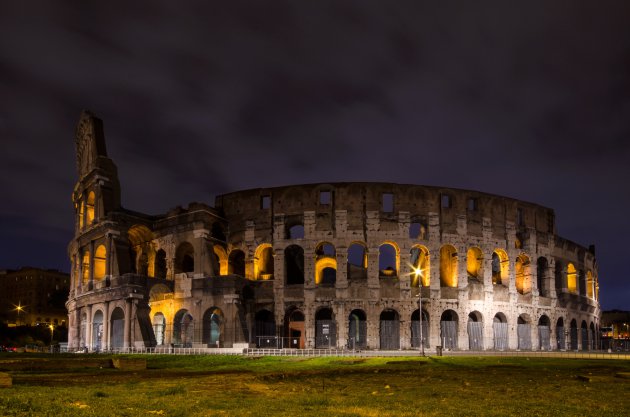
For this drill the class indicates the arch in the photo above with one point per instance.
(560, 334)
(295, 231)
(523, 274)
(97, 331)
(82, 214)
(117, 328)
(184, 258)
(571, 278)
(295, 328)
(500, 331)
(236, 262)
(213, 327)
(475, 330)
(542, 281)
(500, 267)
(183, 329)
(524, 332)
(325, 264)
(89, 208)
(388, 259)
(448, 266)
(592, 339)
(265, 329)
(294, 265)
(100, 260)
(421, 266)
(574, 335)
(415, 328)
(584, 334)
(220, 260)
(357, 330)
(357, 261)
(417, 229)
(544, 333)
(85, 267)
(159, 292)
(389, 329)
(448, 329)
(474, 264)
(325, 329)
(160, 264)
(159, 328)
(263, 262)
(589, 284)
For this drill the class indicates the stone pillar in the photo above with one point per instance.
(91, 276)
(201, 256)
(106, 325)
(372, 270)
(341, 321)
(127, 328)
(342, 267)
(88, 327)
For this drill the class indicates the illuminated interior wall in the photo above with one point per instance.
(448, 266)
(263, 262)
(589, 284)
(571, 278)
(474, 262)
(82, 214)
(86, 267)
(523, 275)
(222, 258)
(89, 215)
(100, 259)
(420, 262)
(321, 264)
(500, 267)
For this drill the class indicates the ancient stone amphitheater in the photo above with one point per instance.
(342, 265)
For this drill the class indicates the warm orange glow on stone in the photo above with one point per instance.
(571, 278)
(448, 266)
(100, 257)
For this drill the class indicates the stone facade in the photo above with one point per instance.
(323, 265)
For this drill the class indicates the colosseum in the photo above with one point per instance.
(341, 266)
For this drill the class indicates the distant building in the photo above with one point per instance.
(31, 295)
(615, 329)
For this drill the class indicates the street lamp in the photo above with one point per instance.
(19, 308)
(417, 272)
(52, 329)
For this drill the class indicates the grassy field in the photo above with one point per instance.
(272, 386)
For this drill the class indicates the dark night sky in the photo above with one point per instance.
(528, 100)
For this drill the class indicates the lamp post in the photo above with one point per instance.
(52, 329)
(418, 274)
(19, 308)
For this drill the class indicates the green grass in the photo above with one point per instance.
(281, 386)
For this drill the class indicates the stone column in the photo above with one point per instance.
(106, 325)
(342, 267)
(127, 328)
(88, 327)
(91, 279)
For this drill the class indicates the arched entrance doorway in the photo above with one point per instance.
(524, 332)
(184, 329)
(97, 331)
(500, 331)
(560, 337)
(325, 329)
(390, 330)
(544, 333)
(475, 331)
(265, 329)
(295, 329)
(357, 330)
(159, 327)
(213, 327)
(448, 329)
(117, 329)
(415, 329)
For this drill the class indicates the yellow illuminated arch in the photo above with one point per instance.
(263, 262)
(500, 267)
(100, 256)
(571, 278)
(89, 215)
(223, 259)
(396, 255)
(82, 214)
(589, 284)
(523, 274)
(448, 266)
(421, 267)
(474, 262)
(321, 264)
(86, 267)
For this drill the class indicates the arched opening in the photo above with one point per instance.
(592, 340)
(559, 276)
(236, 263)
(81, 214)
(89, 208)
(263, 262)
(325, 264)
(500, 267)
(584, 332)
(589, 284)
(475, 331)
(220, 260)
(184, 258)
(388, 260)
(574, 335)
(448, 266)
(295, 329)
(448, 329)
(295, 231)
(183, 329)
(523, 274)
(85, 267)
(97, 331)
(474, 264)
(265, 329)
(357, 261)
(294, 265)
(420, 262)
(159, 328)
(500, 331)
(560, 335)
(325, 329)
(357, 330)
(389, 330)
(524, 332)
(117, 328)
(100, 260)
(417, 229)
(571, 278)
(213, 327)
(542, 281)
(160, 264)
(544, 333)
(415, 329)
